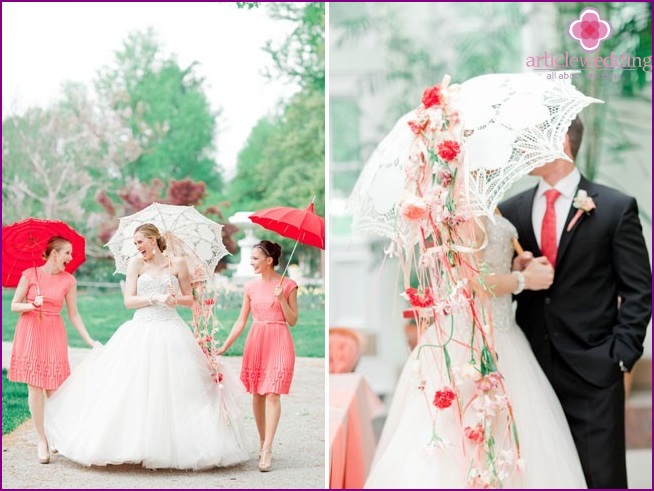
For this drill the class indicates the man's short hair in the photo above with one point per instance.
(575, 134)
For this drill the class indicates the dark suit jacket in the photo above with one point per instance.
(602, 258)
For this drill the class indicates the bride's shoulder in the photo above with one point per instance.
(135, 264)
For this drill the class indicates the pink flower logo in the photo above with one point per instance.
(589, 29)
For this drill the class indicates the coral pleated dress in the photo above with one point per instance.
(39, 355)
(268, 355)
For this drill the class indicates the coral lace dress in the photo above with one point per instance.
(269, 355)
(39, 355)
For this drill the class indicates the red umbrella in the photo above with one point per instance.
(293, 223)
(24, 242)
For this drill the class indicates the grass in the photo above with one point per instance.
(103, 312)
(14, 404)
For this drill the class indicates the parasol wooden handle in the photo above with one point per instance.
(38, 292)
(514, 242)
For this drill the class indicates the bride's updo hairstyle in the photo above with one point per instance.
(150, 231)
(270, 249)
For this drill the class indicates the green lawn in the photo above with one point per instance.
(104, 312)
(14, 404)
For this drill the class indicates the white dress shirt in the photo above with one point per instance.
(567, 187)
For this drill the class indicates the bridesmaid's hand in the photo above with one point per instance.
(278, 292)
(221, 350)
(38, 301)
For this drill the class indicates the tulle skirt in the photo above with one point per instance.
(147, 397)
(405, 458)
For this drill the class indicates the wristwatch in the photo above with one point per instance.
(622, 366)
(521, 282)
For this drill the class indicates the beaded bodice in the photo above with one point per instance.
(146, 285)
(498, 256)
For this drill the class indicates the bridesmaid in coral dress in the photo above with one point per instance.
(268, 356)
(39, 355)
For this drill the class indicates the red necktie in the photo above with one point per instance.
(548, 229)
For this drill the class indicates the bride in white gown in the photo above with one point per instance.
(148, 396)
(420, 450)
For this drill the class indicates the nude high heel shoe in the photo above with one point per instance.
(265, 461)
(43, 458)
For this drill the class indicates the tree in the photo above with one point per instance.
(282, 163)
(248, 187)
(301, 57)
(53, 158)
(172, 101)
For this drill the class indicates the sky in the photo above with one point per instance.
(46, 44)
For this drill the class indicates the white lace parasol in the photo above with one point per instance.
(380, 187)
(512, 123)
(188, 234)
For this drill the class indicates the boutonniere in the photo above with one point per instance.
(584, 204)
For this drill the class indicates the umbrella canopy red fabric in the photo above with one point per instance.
(23, 244)
(293, 223)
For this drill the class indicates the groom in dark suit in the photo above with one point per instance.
(589, 326)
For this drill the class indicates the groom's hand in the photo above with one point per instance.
(539, 274)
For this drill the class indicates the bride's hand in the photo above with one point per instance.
(522, 261)
(166, 299)
(221, 350)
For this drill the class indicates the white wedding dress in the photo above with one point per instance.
(147, 397)
(404, 458)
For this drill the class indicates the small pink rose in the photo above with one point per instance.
(413, 208)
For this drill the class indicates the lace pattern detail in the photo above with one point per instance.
(503, 141)
(146, 286)
(375, 198)
(498, 256)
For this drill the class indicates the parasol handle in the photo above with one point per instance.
(281, 280)
(38, 289)
(289, 261)
(514, 242)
